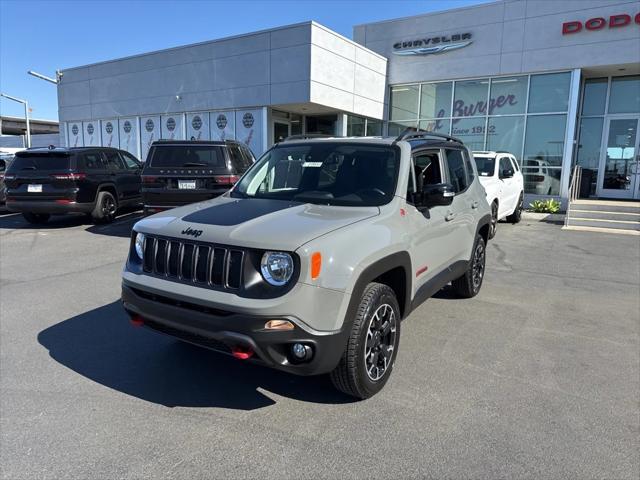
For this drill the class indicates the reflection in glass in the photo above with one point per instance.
(470, 131)
(374, 127)
(595, 96)
(435, 100)
(505, 133)
(404, 102)
(621, 154)
(470, 98)
(355, 126)
(436, 125)
(508, 95)
(544, 140)
(549, 92)
(625, 95)
(539, 179)
(396, 128)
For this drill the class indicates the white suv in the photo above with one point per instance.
(501, 177)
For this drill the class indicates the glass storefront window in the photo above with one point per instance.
(590, 141)
(404, 102)
(594, 96)
(549, 92)
(508, 95)
(540, 179)
(396, 128)
(436, 125)
(544, 140)
(505, 133)
(625, 95)
(470, 98)
(355, 126)
(470, 131)
(374, 127)
(435, 100)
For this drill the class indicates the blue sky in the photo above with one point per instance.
(46, 35)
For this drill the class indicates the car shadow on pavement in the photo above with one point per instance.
(103, 346)
(121, 227)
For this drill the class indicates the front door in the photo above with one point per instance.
(280, 131)
(619, 174)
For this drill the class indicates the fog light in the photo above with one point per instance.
(300, 351)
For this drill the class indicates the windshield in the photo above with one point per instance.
(486, 166)
(40, 161)
(324, 173)
(209, 156)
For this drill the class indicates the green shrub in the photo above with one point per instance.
(550, 205)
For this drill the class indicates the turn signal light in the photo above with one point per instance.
(316, 265)
(278, 325)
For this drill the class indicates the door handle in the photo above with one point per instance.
(450, 216)
(474, 205)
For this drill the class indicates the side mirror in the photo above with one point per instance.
(435, 195)
(506, 173)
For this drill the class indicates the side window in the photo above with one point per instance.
(236, 157)
(516, 167)
(248, 156)
(93, 161)
(456, 170)
(469, 167)
(505, 164)
(113, 160)
(427, 170)
(130, 161)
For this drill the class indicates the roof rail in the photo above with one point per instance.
(411, 133)
(306, 136)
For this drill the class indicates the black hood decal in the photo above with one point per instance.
(238, 211)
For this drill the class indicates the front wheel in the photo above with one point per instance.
(516, 216)
(468, 285)
(372, 347)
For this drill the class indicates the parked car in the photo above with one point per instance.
(179, 172)
(5, 161)
(502, 179)
(310, 262)
(96, 181)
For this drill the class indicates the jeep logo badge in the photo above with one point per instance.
(190, 231)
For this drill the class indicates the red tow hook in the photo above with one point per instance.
(137, 321)
(242, 353)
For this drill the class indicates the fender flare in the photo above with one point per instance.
(103, 186)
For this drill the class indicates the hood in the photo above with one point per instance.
(253, 223)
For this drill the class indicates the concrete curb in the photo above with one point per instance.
(555, 218)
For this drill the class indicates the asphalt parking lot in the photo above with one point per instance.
(537, 377)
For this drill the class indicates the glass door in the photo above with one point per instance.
(619, 175)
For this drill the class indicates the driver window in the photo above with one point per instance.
(505, 164)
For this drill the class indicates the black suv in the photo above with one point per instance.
(180, 172)
(91, 180)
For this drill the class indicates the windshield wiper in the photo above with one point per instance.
(194, 164)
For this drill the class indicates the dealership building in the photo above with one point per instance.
(555, 83)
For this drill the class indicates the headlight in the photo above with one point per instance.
(277, 268)
(140, 245)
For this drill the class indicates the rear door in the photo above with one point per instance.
(132, 171)
(118, 174)
(460, 214)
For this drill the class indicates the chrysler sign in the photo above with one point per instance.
(432, 45)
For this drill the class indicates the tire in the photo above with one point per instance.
(469, 284)
(36, 218)
(377, 313)
(105, 209)
(516, 216)
(493, 226)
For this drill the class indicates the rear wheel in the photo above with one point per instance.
(493, 227)
(372, 347)
(516, 216)
(36, 218)
(105, 209)
(468, 285)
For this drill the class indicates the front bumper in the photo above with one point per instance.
(48, 206)
(224, 330)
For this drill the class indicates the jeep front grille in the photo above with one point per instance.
(202, 265)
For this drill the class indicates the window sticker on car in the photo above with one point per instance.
(312, 164)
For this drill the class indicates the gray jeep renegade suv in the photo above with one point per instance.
(311, 261)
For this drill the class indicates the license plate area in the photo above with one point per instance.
(186, 184)
(34, 188)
